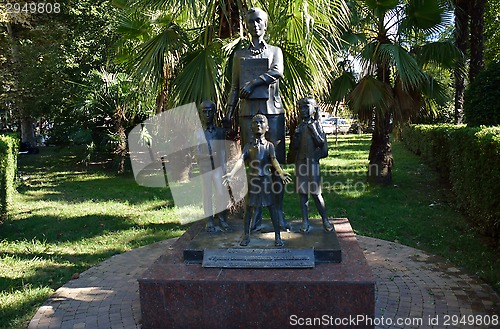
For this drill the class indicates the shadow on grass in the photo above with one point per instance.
(53, 229)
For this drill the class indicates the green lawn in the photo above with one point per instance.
(69, 217)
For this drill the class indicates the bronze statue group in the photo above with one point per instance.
(255, 91)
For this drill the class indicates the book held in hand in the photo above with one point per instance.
(252, 68)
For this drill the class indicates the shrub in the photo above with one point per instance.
(469, 159)
(481, 101)
(8, 165)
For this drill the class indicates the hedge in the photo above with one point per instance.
(9, 148)
(469, 159)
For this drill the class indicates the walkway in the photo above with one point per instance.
(412, 287)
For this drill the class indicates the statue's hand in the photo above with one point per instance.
(227, 179)
(286, 178)
(247, 90)
(311, 126)
(226, 121)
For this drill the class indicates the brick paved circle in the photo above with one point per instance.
(411, 285)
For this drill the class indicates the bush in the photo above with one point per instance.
(481, 101)
(469, 159)
(8, 165)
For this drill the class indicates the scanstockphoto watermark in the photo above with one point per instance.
(485, 320)
(353, 320)
(318, 181)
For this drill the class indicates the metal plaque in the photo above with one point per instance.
(258, 258)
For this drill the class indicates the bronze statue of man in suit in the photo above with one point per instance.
(211, 158)
(255, 86)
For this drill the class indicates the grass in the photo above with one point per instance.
(68, 218)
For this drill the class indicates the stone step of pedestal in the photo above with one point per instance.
(325, 244)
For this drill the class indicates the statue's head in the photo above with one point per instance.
(256, 20)
(208, 109)
(308, 107)
(260, 124)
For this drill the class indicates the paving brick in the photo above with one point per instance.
(410, 284)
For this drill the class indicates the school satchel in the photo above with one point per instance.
(324, 148)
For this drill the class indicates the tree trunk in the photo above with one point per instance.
(476, 38)
(121, 146)
(229, 20)
(461, 36)
(26, 120)
(162, 98)
(381, 160)
(27, 129)
(380, 157)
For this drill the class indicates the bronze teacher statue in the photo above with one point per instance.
(255, 86)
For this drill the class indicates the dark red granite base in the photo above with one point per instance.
(178, 295)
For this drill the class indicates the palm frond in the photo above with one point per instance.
(133, 25)
(370, 95)
(442, 53)
(429, 16)
(172, 4)
(150, 57)
(381, 4)
(200, 78)
(434, 90)
(406, 66)
(342, 86)
(406, 102)
(298, 80)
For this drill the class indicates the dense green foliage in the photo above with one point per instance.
(482, 106)
(469, 159)
(492, 31)
(8, 167)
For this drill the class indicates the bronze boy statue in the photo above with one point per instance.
(255, 87)
(260, 156)
(309, 140)
(211, 158)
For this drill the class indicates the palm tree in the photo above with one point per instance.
(394, 39)
(184, 47)
(116, 97)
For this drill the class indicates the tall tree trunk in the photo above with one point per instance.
(476, 38)
(121, 146)
(229, 20)
(380, 157)
(26, 120)
(162, 98)
(27, 129)
(461, 36)
(381, 160)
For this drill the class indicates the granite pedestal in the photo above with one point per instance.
(175, 294)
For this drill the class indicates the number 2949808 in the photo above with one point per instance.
(33, 7)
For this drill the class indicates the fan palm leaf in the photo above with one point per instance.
(342, 86)
(370, 94)
(442, 53)
(201, 76)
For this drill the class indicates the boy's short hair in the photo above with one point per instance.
(307, 100)
(208, 104)
(260, 116)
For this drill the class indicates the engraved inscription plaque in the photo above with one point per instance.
(259, 258)
(252, 68)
